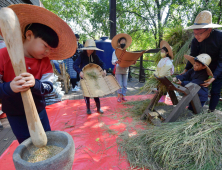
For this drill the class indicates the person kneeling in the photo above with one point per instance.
(198, 75)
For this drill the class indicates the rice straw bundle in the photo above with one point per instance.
(194, 144)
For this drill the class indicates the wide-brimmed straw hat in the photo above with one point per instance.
(169, 48)
(205, 59)
(90, 45)
(204, 20)
(118, 36)
(28, 14)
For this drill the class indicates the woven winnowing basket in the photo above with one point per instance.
(99, 86)
(127, 59)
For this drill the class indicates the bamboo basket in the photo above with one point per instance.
(94, 84)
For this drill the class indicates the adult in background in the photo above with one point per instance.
(89, 56)
(122, 41)
(74, 76)
(209, 41)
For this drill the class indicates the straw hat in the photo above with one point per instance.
(90, 45)
(203, 20)
(118, 36)
(28, 14)
(169, 48)
(205, 59)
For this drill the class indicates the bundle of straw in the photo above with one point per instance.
(192, 144)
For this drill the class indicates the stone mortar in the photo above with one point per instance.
(61, 161)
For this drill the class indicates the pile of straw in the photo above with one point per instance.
(191, 144)
(139, 106)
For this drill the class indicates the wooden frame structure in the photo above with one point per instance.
(190, 95)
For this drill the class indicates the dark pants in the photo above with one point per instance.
(191, 108)
(215, 93)
(74, 81)
(20, 127)
(87, 100)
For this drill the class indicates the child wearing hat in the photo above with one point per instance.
(89, 56)
(165, 65)
(198, 75)
(42, 40)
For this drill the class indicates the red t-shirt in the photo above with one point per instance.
(33, 66)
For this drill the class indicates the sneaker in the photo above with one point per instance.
(119, 99)
(75, 89)
(100, 111)
(124, 99)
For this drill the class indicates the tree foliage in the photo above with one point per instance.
(147, 21)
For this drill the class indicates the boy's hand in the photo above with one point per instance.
(16, 84)
(179, 82)
(104, 73)
(174, 79)
(208, 82)
(29, 80)
(81, 74)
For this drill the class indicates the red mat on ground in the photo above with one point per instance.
(94, 135)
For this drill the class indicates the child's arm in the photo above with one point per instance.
(185, 76)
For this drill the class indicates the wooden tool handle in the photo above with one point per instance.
(11, 32)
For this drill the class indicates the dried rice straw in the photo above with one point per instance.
(194, 144)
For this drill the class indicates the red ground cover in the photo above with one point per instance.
(94, 135)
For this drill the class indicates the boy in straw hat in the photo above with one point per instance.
(198, 75)
(45, 37)
(208, 41)
(89, 56)
(122, 41)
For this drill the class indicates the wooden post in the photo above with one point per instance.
(64, 78)
(141, 73)
(112, 18)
